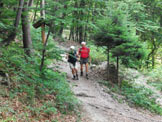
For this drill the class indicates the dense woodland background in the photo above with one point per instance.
(126, 33)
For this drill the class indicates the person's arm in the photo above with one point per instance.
(89, 56)
(78, 53)
(89, 59)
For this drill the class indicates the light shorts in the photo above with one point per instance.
(72, 66)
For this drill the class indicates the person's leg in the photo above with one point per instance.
(76, 73)
(73, 72)
(81, 69)
(86, 67)
(72, 69)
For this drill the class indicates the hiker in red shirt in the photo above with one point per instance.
(84, 58)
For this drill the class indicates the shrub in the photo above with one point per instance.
(27, 79)
(155, 78)
(97, 54)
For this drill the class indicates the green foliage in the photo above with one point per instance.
(155, 78)
(117, 33)
(137, 95)
(47, 108)
(131, 53)
(27, 79)
(97, 54)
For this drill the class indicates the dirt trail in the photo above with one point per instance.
(99, 106)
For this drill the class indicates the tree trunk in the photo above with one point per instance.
(153, 61)
(153, 52)
(27, 42)
(35, 12)
(108, 63)
(1, 6)
(30, 3)
(62, 24)
(44, 50)
(71, 36)
(43, 8)
(81, 27)
(12, 34)
(77, 33)
(117, 74)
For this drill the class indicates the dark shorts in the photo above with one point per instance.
(83, 60)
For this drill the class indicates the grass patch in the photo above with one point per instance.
(136, 95)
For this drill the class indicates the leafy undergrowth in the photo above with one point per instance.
(155, 78)
(13, 110)
(97, 54)
(136, 95)
(32, 94)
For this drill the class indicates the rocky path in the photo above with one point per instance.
(99, 106)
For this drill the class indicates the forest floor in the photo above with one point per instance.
(98, 106)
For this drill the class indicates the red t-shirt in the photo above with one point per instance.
(84, 52)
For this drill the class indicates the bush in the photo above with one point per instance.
(156, 78)
(26, 78)
(97, 54)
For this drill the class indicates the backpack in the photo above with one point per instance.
(72, 58)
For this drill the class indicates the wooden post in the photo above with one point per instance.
(43, 25)
(43, 33)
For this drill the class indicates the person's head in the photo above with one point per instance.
(72, 47)
(83, 44)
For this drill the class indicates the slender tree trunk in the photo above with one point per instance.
(77, 33)
(12, 34)
(30, 3)
(62, 24)
(117, 74)
(86, 29)
(75, 21)
(27, 42)
(35, 12)
(18, 16)
(42, 7)
(44, 50)
(71, 36)
(108, 63)
(154, 50)
(81, 15)
(152, 53)
(1, 6)
(153, 61)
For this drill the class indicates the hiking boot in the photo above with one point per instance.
(73, 77)
(81, 73)
(87, 76)
(77, 77)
